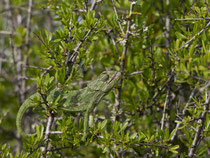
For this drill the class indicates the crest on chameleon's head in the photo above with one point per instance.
(105, 81)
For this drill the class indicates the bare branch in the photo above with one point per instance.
(116, 14)
(8, 9)
(136, 73)
(86, 6)
(47, 132)
(164, 85)
(36, 67)
(93, 5)
(61, 148)
(193, 19)
(28, 21)
(6, 33)
(167, 29)
(122, 62)
(79, 10)
(26, 78)
(164, 109)
(110, 34)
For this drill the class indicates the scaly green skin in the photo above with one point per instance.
(26, 105)
(85, 99)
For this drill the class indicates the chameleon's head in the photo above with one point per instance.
(105, 81)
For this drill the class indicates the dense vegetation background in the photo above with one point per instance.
(160, 108)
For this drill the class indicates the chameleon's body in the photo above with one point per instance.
(85, 99)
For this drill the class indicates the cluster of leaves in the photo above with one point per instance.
(160, 108)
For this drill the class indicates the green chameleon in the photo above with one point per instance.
(82, 100)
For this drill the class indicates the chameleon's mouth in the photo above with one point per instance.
(115, 76)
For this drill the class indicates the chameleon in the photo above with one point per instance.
(82, 100)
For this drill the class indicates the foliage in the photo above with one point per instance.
(160, 108)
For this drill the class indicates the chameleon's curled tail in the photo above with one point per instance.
(25, 106)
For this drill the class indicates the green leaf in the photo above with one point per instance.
(177, 44)
(103, 124)
(133, 136)
(124, 126)
(180, 36)
(60, 75)
(105, 149)
(49, 36)
(11, 156)
(174, 148)
(166, 133)
(204, 47)
(191, 50)
(171, 134)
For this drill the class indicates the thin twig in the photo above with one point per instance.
(40, 39)
(193, 19)
(93, 5)
(70, 28)
(85, 37)
(4, 60)
(41, 144)
(49, 51)
(197, 78)
(45, 72)
(22, 7)
(152, 145)
(183, 113)
(167, 29)
(117, 18)
(26, 78)
(47, 132)
(126, 38)
(56, 132)
(61, 148)
(71, 60)
(136, 73)
(197, 136)
(164, 85)
(194, 36)
(7, 33)
(110, 34)
(206, 86)
(28, 21)
(79, 10)
(86, 6)
(5, 75)
(36, 67)
(164, 109)
(68, 52)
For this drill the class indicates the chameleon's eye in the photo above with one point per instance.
(106, 77)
